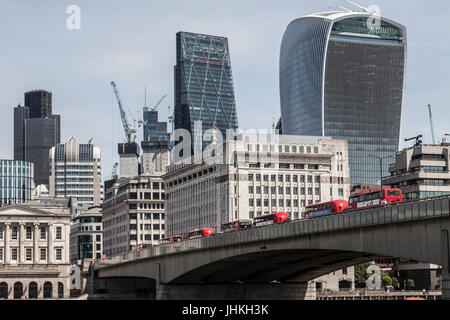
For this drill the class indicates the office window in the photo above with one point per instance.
(43, 254)
(29, 254)
(14, 233)
(43, 233)
(59, 233)
(58, 254)
(14, 254)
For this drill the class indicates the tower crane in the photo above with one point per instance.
(129, 131)
(159, 102)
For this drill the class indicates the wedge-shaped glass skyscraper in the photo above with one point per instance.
(204, 85)
(342, 75)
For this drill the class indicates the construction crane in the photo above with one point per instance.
(418, 141)
(431, 123)
(159, 102)
(129, 131)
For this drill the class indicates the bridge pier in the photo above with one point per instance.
(284, 291)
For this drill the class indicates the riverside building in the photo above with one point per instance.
(254, 175)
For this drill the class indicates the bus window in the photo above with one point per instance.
(393, 193)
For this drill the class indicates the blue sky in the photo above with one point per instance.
(133, 43)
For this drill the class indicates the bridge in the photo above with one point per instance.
(276, 262)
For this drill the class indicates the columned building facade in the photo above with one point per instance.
(34, 252)
(342, 75)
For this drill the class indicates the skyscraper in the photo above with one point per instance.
(342, 75)
(204, 85)
(154, 129)
(36, 130)
(75, 171)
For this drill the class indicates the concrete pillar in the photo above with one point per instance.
(445, 247)
(285, 291)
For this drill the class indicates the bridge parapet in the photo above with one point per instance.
(417, 210)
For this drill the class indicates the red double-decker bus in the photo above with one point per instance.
(271, 218)
(171, 239)
(199, 233)
(236, 225)
(375, 198)
(325, 208)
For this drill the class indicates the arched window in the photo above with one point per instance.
(48, 290)
(3, 290)
(18, 290)
(60, 290)
(33, 290)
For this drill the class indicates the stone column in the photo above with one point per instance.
(36, 247)
(50, 243)
(7, 237)
(21, 243)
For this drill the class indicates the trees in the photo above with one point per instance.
(395, 283)
(361, 275)
(386, 280)
(411, 284)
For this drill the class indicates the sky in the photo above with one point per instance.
(133, 43)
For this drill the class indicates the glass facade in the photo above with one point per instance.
(339, 78)
(153, 129)
(204, 85)
(16, 181)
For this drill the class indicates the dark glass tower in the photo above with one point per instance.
(204, 85)
(36, 130)
(344, 78)
(39, 102)
(153, 129)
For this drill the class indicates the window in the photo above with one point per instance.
(58, 233)
(29, 254)
(43, 254)
(14, 233)
(1, 233)
(14, 254)
(43, 233)
(58, 254)
(1, 254)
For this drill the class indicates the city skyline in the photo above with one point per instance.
(79, 77)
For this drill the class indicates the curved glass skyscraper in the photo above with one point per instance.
(342, 75)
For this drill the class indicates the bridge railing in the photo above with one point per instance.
(422, 209)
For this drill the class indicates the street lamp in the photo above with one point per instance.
(381, 167)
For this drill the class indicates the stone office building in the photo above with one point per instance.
(255, 175)
(133, 214)
(34, 251)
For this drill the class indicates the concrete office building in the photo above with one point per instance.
(342, 77)
(16, 181)
(86, 235)
(204, 91)
(267, 173)
(133, 214)
(75, 171)
(155, 157)
(421, 171)
(36, 130)
(34, 250)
